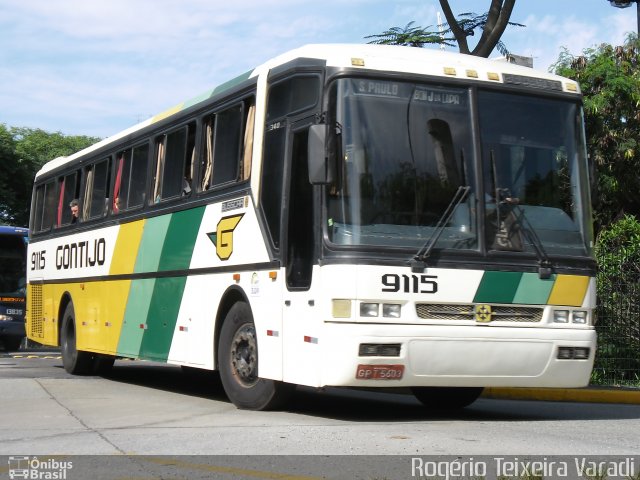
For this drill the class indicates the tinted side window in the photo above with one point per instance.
(272, 173)
(292, 95)
(38, 207)
(96, 200)
(175, 153)
(138, 184)
(228, 145)
(226, 151)
(45, 207)
(131, 177)
(49, 212)
(70, 190)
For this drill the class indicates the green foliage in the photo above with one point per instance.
(618, 292)
(23, 151)
(409, 36)
(610, 81)
(491, 26)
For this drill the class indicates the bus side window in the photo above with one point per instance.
(138, 179)
(96, 190)
(175, 154)
(228, 145)
(121, 186)
(45, 207)
(131, 178)
(69, 190)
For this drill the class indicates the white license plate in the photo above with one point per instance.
(379, 372)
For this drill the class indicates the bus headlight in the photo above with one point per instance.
(369, 309)
(579, 316)
(391, 310)
(561, 316)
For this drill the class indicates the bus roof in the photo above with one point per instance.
(366, 56)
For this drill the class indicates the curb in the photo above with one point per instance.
(621, 395)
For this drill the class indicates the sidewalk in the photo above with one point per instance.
(591, 394)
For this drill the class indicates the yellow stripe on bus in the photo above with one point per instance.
(99, 309)
(167, 113)
(569, 290)
(126, 249)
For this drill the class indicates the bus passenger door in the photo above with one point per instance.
(300, 320)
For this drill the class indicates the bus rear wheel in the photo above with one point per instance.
(238, 364)
(74, 361)
(447, 398)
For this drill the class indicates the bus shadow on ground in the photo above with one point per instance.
(357, 405)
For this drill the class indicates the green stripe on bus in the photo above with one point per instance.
(534, 290)
(162, 317)
(180, 239)
(177, 250)
(150, 249)
(231, 83)
(135, 316)
(498, 287)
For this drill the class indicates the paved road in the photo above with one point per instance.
(144, 408)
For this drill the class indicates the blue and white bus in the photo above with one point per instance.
(13, 254)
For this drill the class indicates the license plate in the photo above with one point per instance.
(379, 372)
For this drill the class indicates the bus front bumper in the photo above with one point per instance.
(461, 356)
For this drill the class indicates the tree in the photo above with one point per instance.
(618, 292)
(10, 179)
(609, 78)
(409, 36)
(23, 151)
(492, 25)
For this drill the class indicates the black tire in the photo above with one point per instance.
(447, 398)
(238, 364)
(74, 361)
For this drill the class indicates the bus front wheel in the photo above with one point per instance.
(238, 364)
(74, 361)
(447, 398)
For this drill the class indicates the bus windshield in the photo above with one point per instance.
(406, 150)
(12, 265)
(535, 165)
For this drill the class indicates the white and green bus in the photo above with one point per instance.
(342, 215)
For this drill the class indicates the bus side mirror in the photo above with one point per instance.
(320, 164)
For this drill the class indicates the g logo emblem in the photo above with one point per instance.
(223, 237)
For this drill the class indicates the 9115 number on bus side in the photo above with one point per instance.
(409, 283)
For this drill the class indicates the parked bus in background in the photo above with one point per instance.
(13, 271)
(343, 215)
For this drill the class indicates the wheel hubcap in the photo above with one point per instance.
(244, 355)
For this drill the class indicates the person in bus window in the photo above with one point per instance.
(75, 209)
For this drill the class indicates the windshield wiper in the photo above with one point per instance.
(544, 264)
(419, 261)
(503, 197)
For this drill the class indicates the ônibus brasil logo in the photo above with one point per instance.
(36, 469)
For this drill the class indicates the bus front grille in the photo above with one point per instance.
(503, 313)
